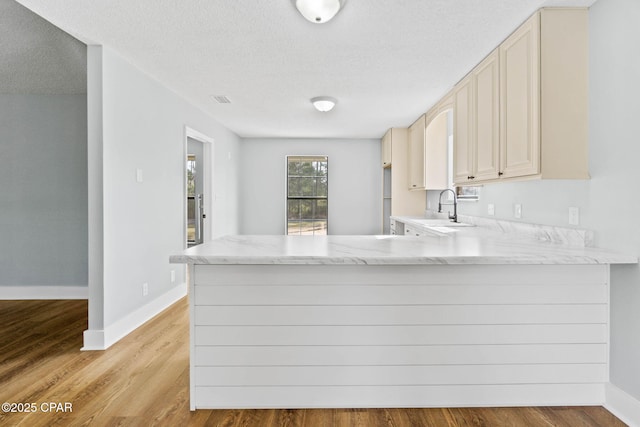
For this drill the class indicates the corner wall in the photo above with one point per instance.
(137, 124)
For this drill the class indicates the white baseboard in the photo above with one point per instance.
(622, 405)
(101, 339)
(43, 292)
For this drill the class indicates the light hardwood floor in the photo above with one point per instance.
(143, 380)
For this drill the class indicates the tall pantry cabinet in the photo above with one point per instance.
(395, 161)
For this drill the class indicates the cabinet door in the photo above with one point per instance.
(487, 113)
(416, 154)
(386, 149)
(436, 142)
(463, 131)
(519, 101)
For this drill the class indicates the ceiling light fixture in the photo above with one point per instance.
(324, 103)
(319, 11)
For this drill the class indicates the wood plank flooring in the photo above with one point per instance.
(143, 380)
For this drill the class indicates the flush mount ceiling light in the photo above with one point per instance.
(319, 11)
(324, 103)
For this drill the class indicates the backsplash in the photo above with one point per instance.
(547, 233)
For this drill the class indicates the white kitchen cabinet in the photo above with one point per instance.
(436, 150)
(417, 134)
(386, 150)
(476, 123)
(486, 154)
(520, 108)
(411, 231)
(463, 123)
(538, 128)
(544, 97)
(403, 201)
(428, 141)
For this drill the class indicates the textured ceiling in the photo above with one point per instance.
(386, 61)
(36, 57)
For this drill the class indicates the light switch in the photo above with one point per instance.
(138, 175)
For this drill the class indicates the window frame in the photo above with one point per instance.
(319, 157)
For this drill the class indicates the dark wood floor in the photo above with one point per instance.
(143, 380)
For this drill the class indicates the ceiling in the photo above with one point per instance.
(386, 61)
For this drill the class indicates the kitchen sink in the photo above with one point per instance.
(441, 229)
(440, 223)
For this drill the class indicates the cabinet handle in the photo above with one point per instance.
(500, 173)
(471, 177)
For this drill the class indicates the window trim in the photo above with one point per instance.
(286, 190)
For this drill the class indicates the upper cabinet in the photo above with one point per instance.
(403, 201)
(417, 134)
(527, 116)
(386, 150)
(428, 142)
(476, 124)
(520, 101)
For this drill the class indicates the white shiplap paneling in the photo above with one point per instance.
(309, 336)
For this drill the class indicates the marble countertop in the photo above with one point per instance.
(469, 245)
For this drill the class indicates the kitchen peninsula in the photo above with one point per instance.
(467, 318)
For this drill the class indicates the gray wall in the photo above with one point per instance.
(43, 190)
(608, 202)
(355, 183)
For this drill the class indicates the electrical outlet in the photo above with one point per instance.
(517, 210)
(491, 209)
(173, 276)
(145, 289)
(574, 216)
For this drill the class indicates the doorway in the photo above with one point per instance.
(195, 193)
(198, 186)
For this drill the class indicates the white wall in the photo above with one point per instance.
(43, 190)
(137, 123)
(355, 183)
(608, 202)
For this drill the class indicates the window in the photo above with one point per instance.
(467, 193)
(307, 195)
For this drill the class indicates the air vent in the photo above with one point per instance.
(221, 99)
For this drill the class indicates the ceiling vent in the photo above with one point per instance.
(221, 99)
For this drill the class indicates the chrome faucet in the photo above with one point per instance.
(453, 217)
